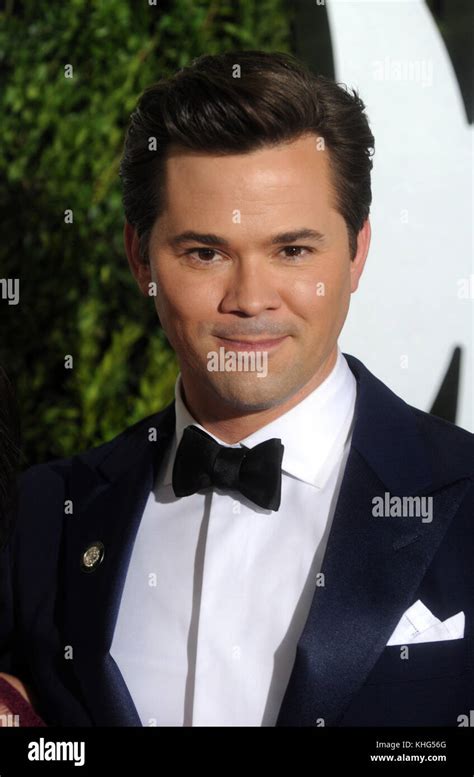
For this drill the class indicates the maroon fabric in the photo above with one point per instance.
(17, 705)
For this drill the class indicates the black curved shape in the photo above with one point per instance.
(455, 22)
(311, 40)
(311, 37)
(446, 402)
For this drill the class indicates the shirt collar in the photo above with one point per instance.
(313, 432)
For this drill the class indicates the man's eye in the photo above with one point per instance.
(296, 249)
(206, 255)
(201, 251)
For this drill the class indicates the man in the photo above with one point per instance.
(288, 543)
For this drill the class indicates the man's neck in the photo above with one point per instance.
(232, 428)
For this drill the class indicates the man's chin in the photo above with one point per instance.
(249, 394)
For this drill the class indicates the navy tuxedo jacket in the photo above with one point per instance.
(57, 622)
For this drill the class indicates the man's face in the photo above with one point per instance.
(244, 286)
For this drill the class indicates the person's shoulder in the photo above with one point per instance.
(54, 471)
(443, 432)
(43, 488)
(434, 426)
(450, 448)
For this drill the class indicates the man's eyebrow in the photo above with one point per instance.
(210, 239)
(298, 234)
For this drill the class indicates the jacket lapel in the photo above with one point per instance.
(108, 499)
(373, 566)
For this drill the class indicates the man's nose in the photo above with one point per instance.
(251, 287)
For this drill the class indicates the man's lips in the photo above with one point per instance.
(252, 345)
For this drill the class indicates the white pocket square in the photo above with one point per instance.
(418, 624)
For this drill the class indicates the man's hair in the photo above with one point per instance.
(276, 99)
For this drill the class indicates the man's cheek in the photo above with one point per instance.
(307, 295)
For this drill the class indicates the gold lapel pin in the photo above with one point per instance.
(92, 556)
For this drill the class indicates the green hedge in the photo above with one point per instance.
(60, 146)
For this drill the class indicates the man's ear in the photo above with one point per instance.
(358, 262)
(140, 268)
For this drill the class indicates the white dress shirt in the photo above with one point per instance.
(218, 589)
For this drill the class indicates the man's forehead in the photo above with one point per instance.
(281, 160)
(264, 189)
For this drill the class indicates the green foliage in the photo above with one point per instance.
(60, 146)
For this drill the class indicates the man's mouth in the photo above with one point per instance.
(247, 344)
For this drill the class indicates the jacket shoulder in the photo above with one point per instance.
(410, 436)
(447, 441)
(56, 470)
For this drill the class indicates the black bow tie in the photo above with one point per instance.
(256, 472)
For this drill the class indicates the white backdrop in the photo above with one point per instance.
(415, 301)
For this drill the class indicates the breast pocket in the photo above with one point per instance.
(421, 661)
(425, 684)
